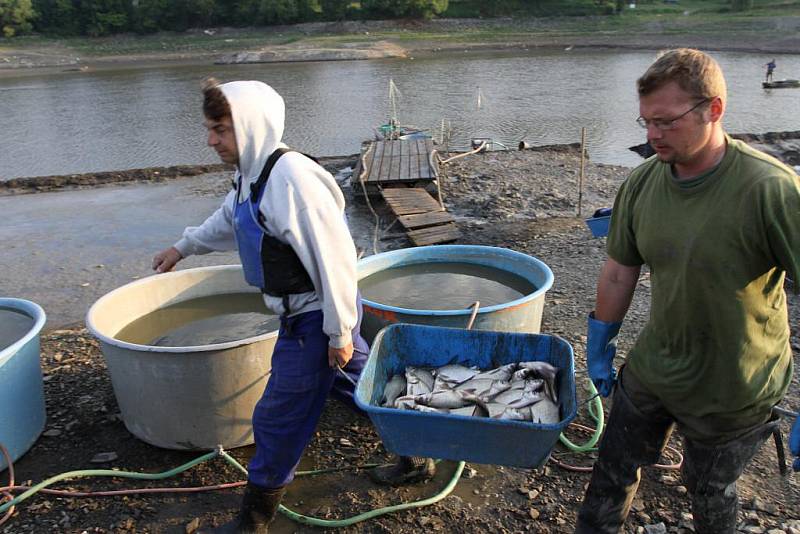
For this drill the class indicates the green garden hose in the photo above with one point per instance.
(596, 412)
(300, 518)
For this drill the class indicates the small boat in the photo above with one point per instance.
(781, 84)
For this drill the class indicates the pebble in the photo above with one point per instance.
(52, 433)
(658, 528)
(104, 457)
(193, 525)
(534, 513)
(469, 473)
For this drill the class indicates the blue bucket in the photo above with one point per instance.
(22, 409)
(521, 315)
(455, 437)
(599, 225)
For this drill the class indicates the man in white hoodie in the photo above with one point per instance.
(286, 218)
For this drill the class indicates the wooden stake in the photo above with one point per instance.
(580, 177)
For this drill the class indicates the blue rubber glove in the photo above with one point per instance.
(601, 346)
(794, 444)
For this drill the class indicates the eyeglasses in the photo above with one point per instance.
(668, 124)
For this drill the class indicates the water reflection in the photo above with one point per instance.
(81, 122)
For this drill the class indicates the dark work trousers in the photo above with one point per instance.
(285, 418)
(635, 436)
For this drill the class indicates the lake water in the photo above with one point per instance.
(13, 327)
(77, 122)
(443, 286)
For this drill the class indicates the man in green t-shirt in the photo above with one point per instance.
(718, 224)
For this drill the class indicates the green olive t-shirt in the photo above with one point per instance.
(718, 248)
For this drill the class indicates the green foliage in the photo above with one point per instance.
(57, 16)
(334, 9)
(741, 5)
(403, 8)
(16, 16)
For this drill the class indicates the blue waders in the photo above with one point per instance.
(285, 418)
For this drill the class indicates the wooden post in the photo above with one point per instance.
(580, 177)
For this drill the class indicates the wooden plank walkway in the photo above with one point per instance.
(397, 161)
(410, 201)
(426, 222)
(398, 169)
(435, 234)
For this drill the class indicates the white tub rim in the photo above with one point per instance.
(153, 348)
(32, 310)
(540, 291)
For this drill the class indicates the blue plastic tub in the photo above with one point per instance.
(599, 225)
(22, 408)
(521, 315)
(455, 437)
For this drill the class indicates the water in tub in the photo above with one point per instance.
(13, 327)
(202, 321)
(443, 286)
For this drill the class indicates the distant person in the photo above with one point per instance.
(285, 216)
(770, 69)
(718, 224)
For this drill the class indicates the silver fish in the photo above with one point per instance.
(439, 384)
(543, 369)
(509, 396)
(393, 389)
(512, 414)
(526, 399)
(485, 388)
(467, 411)
(455, 374)
(504, 373)
(406, 402)
(429, 409)
(540, 370)
(419, 381)
(443, 399)
(495, 409)
(545, 412)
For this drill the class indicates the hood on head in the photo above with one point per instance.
(258, 115)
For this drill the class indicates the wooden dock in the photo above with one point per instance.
(399, 170)
(397, 161)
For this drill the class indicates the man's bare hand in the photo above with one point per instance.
(165, 260)
(340, 357)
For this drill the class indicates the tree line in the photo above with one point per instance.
(107, 17)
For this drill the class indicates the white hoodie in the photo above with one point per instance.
(302, 206)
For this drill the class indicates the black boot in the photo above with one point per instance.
(259, 506)
(407, 470)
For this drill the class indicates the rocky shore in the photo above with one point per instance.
(524, 200)
(358, 40)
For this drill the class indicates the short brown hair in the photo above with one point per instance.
(695, 72)
(215, 105)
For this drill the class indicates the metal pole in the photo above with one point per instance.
(580, 177)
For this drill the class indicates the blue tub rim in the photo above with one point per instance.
(541, 290)
(32, 310)
(170, 350)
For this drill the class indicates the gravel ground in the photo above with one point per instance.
(526, 201)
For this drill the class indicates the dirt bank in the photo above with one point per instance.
(402, 39)
(39, 184)
(523, 200)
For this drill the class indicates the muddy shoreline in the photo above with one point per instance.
(363, 40)
(784, 146)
